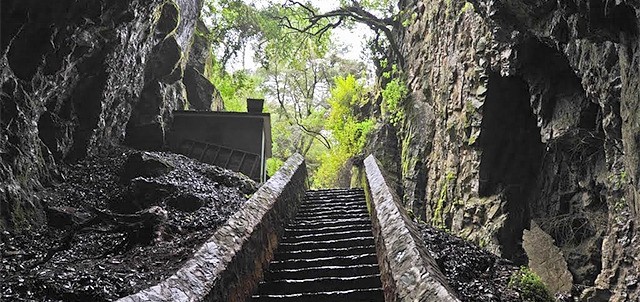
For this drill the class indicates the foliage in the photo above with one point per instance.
(233, 24)
(393, 94)
(438, 212)
(234, 87)
(347, 128)
(295, 75)
(273, 164)
(379, 15)
(468, 7)
(530, 286)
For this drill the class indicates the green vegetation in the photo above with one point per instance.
(234, 87)
(348, 130)
(530, 286)
(468, 7)
(438, 213)
(314, 95)
(393, 94)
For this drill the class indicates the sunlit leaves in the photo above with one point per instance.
(234, 87)
(347, 127)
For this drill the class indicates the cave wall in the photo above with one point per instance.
(77, 76)
(525, 111)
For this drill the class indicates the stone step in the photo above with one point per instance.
(326, 254)
(320, 253)
(321, 284)
(292, 230)
(314, 206)
(322, 271)
(334, 192)
(334, 198)
(330, 221)
(319, 236)
(354, 295)
(315, 212)
(325, 261)
(339, 200)
(331, 216)
(326, 244)
(332, 210)
(319, 225)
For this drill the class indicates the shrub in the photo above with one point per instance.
(530, 286)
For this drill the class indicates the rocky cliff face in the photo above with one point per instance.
(78, 76)
(525, 111)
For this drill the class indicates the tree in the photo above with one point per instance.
(382, 16)
(347, 127)
(297, 71)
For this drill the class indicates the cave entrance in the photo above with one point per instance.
(511, 156)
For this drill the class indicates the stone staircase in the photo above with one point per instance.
(327, 253)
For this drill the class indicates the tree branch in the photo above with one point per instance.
(354, 12)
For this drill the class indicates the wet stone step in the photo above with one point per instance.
(330, 191)
(323, 271)
(292, 231)
(331, 221)
(326, 254)
(344, 198)
(327, 236)
(321, 284)
(349, 201)
(331, 217)
(360, 205)
(355, 295)
(316, 262)
(332, 210)
(326, 210)
(321, 253)
(334, 192)
(338, 243)
(317, 225)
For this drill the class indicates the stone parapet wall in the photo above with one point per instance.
(407, 270)
(230, 264)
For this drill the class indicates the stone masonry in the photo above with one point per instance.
(407, 270)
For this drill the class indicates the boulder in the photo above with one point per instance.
(144, 164)
(186, 202)
(141, 194)
(547, 260)
(200, 91)
(62, 217)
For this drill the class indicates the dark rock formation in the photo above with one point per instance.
(525, 111)
(163, 91)
(144, 164)
(79, 76)
(89, 252)
(201, 93)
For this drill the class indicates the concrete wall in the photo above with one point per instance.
(407, 270)
(230, 264)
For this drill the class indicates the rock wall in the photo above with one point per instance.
(79, 76)
(526, 111)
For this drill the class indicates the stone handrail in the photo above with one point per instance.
(230, 264)
(407, 270)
